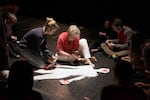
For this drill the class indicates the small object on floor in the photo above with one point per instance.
(86, 98)
(17, 56)
(126, 58)
(64, 82)
(17, 41)
(103, 70)
(116, 58)
(114, 55)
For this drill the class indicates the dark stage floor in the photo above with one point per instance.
(90, 86)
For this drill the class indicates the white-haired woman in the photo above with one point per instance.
(69, 43)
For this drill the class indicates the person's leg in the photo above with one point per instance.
(84, 48)
(107, 50)
(122, 53)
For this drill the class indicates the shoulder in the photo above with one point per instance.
(127, 29)
(63, 35)
(35, 31)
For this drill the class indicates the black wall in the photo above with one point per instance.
(89, 12)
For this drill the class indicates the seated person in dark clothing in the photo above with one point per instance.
(20, 82)
(104, 33)
(124, 89)
(33, 45)
(10, 21)
(146, 58)
(7, 21)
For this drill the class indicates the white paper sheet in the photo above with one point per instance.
(64, 71)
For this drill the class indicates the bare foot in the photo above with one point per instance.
(48, 67)
(88, 61)
(93, 58)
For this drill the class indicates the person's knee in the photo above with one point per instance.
(83, 41)
(103, 45)
(83, 44)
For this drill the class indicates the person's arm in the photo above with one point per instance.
(102, 34)
(51, 58)
(68, 56)
(61, 51)
(46, 52)
(115, 40)
(142, 84)
(122, 46)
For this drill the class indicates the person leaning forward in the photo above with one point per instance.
(33, 45)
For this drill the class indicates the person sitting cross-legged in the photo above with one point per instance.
(118, 47)
(71, 48)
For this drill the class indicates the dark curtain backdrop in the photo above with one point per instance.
(88, 12)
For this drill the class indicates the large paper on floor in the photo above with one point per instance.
(65, 71)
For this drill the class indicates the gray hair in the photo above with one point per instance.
(73, 30)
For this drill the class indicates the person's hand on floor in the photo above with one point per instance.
(52, 59)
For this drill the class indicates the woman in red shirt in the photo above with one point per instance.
(71, 48)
